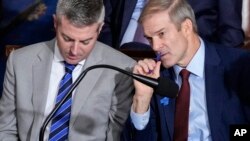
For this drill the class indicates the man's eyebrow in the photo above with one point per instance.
(86, 39)
(67, 36)
(160, 30)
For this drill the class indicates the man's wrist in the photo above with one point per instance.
(140, 104)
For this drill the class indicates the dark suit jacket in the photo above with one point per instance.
(117, 16)
(226, 72)
(218, 20)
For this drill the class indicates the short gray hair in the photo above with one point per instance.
(178, 10)
(81, 12)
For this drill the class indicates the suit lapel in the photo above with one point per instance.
(87, 84)
(168, 110)
(214, 73)
(41, 75)
(168, 113)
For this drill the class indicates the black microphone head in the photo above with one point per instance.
(166, 87)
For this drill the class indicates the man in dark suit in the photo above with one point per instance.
(212, 18)
(215, 84)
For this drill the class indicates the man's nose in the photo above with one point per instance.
(156, 44)
(74, 48)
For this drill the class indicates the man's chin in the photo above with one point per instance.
(72, 61)
(167, 64)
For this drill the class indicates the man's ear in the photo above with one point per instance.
(55, 21)
(187, 26)
(100, 27)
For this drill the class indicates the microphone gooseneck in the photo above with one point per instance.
(163, 87)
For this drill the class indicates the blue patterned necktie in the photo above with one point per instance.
(60, 123)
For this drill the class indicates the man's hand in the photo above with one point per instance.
(143, 93)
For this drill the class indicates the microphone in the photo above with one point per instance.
(162, 86)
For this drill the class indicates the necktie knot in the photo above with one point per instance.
(69, 67)
(184, 74)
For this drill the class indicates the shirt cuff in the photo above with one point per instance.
(140, 121)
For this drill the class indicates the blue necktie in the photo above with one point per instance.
(60, 123)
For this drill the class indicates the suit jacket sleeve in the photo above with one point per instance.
(121, 103)
(229, 29)
(149, 133)
(8, 121)
(219, 21)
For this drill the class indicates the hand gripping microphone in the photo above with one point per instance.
(162, 86)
